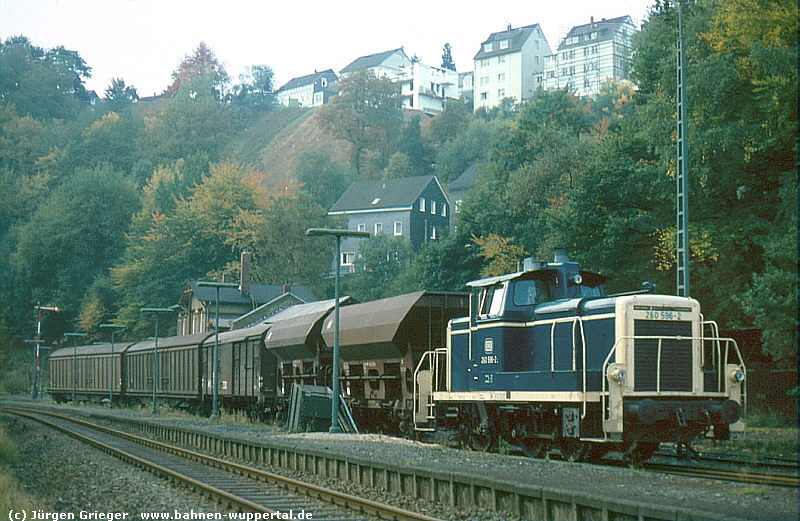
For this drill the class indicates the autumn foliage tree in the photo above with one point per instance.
(366, 114)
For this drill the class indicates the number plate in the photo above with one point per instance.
(663, 315)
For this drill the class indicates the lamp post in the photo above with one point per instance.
(75, 364)
(215, 368)
(335, 376)
(157, 312)
(113, 328)
(39, 309)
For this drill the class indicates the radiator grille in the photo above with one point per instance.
(676, 355)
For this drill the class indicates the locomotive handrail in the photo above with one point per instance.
(579, 322)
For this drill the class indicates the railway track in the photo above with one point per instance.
(772, 472)
(240, 487)
(742, 473)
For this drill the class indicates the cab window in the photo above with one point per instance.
(530, 292)
(491, 300)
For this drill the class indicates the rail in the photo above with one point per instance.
(341, 499)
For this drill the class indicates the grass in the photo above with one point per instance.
(766, 435)
(12, 496)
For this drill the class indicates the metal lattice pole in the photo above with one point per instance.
(682, 172)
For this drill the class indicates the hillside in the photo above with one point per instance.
(275, 143)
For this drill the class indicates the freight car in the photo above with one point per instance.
(382, 342)
(87, 372)
(546, 360)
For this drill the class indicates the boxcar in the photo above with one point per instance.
(86, 371)
(178, 368)
(246, 371)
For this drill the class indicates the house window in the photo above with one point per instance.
(433, 233)
(398, 228)
(457, 206)
(503, 44)
(378, 228)
(433, 207)
(484, 96)
(501, 93)
(421, 204)
(501, 77)
(501, 59)
(348, 257)
(362, 227)
(324, 81)
(484, 80)
(444, 210)
(484, 63)
(487, 47)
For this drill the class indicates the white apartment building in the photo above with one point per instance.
(591, 55)
(422, 87)
(429, 88)
(509, 64)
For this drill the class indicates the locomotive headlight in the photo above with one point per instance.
(617, 373)
(577, 279)
(737, 375)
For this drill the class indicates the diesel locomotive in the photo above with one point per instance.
(547, 360)
(542, 359)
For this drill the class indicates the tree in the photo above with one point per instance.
(366, 113)
(501, 253)
(120, 96)
(76, 234)
(380, 261)
(447, 58)
(255, 87)
(41, 83)
(202, 63)
(193, 122)
(322, 178)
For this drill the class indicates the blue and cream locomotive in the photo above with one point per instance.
(547, 360)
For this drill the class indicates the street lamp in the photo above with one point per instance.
(38, 342)
(75, 364)
(157, 311)
(113, 328)
(335, 384)
(215, 368)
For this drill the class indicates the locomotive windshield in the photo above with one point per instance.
(530, 292)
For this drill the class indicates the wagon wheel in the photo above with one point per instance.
(572, 449)
(595, 452)
(534, 447)
(480, 441)
(640, 451)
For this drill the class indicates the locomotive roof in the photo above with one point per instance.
(590, 278)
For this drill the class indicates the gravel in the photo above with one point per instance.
(63, 475)
(737, 500)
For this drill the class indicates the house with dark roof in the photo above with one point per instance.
(509, 64)
(422, 87)
(197, 303)
(415, 208)
(388, 63)
(311, 90)
(591, 55)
